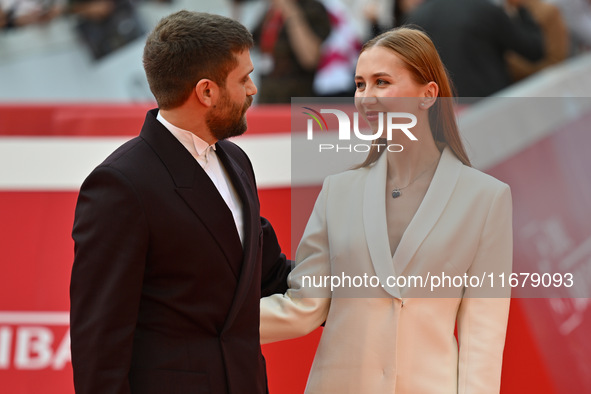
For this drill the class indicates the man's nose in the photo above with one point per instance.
(251, 89)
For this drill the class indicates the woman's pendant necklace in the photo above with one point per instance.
(397, 191)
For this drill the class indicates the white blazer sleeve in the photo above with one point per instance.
(302, 308)
(482, 320)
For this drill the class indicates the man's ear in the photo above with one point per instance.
(207, 92)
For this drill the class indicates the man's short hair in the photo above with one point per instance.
(186, 47)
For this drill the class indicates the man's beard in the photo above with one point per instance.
(228, 119)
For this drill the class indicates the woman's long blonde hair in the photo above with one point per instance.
(419, 55)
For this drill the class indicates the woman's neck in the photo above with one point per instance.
(415, 159)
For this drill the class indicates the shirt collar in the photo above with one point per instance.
(194, 144)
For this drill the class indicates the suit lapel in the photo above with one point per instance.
(196, 189)
(374, 223)
(201, 195)
(244, 190)
(431, 208)
(205, 201)
(250, 212)
(438, 194)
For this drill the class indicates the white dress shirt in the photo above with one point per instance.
(207, 158)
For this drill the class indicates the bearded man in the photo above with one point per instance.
(171, 253)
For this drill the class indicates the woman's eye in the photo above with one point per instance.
(381, 82)
(360, 85)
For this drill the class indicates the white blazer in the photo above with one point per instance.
(388, 339)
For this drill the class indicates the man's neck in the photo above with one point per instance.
(189, 120)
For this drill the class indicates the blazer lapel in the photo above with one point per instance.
(431, 208)
(205, 201)
(196, 189)
(374, 223)
(251, 218)
(439, 191)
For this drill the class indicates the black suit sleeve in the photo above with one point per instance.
(111, 238)
(275, 266)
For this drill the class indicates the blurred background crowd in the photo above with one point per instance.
(56, 54)
(91, 49)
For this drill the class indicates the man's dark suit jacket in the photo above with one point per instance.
(164, 298)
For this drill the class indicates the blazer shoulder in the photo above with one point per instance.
(482, 181)
(344, 182)
(123, 152)
(348, 176)
(129, 160)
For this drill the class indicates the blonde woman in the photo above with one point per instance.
(423, 211)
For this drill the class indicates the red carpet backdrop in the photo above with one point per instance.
(46, 150)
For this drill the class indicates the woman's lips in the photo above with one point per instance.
(372, 116)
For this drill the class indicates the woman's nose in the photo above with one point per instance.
(367, 99)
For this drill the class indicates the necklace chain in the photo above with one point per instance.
(397, 191)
